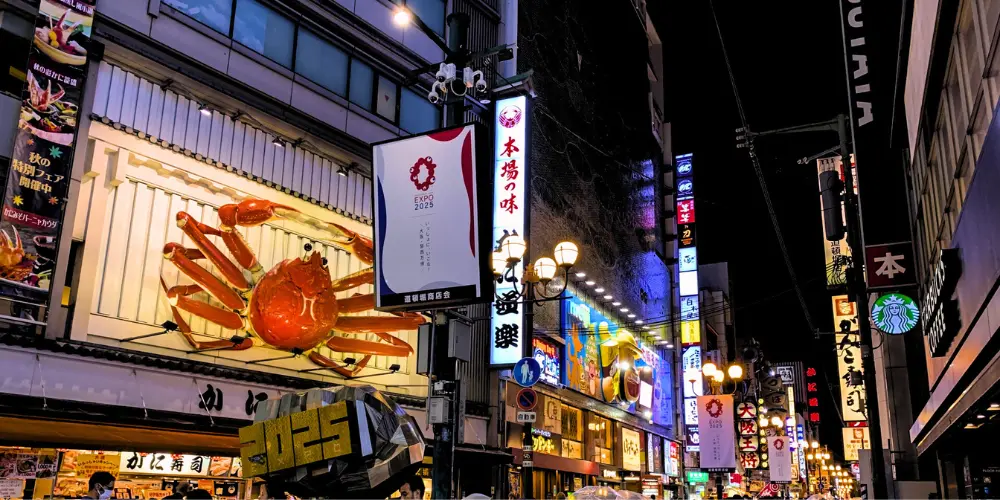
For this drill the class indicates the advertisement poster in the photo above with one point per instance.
(855, 438)
(673, 463)
(87, 464)
(780, 459)
(718, 432)
(428, 251)
(547, 355)
(835, 252)
(654, 453)
(853, 397)
(631, 450)
(597, 354)
(11, 488)
(42, 158)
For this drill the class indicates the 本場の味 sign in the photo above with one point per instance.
(429, 250)
(42, 159)
(510, 176)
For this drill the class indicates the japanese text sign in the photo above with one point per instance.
(631, 450)
(780, 459)
(853, 397)
(429, 248)
(164, 464)
(510, 176)
(890, 266)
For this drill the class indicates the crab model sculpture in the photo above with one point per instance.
(293, 306)
(15, 265)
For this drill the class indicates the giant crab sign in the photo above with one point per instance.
(293, 306)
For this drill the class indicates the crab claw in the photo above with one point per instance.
(7, 243)
(250, 212)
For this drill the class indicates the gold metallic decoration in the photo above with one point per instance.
(252, 450)
(278, 435)
(336, 435)
(305, 437)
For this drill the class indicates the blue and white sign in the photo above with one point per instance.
(510, 175)
(689, 308)
(526, 372)
(688, 258)
(685, 187)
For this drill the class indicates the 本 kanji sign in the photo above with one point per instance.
(510, 175)
(890, 265)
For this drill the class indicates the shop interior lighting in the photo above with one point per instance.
(639, 322)
(631, 316)
(581, 274)
(278, 143)
(599, 290)
(203, 109)
(645, 328)
(994, 407)
(590, 283)
(980, 416)
(623, 309)
(616, 303)
(608, 297)
(670, 346)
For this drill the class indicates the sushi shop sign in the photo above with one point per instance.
(42, 159)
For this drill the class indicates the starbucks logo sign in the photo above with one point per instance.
(895, 313)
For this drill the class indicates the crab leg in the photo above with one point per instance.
(177, 296)
(326, 362)
(185, 330)
(394, 347)
(374, 324)
(362, 277)
(357, 303)
(253, 212)
(196, 231)
(209, 283)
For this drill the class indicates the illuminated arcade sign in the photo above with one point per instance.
(895, 313)
(547, 355)
(510, 176)
(697, 476)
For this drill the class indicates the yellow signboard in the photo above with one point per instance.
(294, 440)
(691, 332)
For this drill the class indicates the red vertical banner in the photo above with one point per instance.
(38, 180)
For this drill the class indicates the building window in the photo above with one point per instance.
(431, 12)
(417, 114)
(385, 99)
(264, 31)
(572, 432)
(321, 62)
(602, 435)
(361, 84)
(213, 13)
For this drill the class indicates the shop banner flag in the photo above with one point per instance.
(42, 159)
(718, 432)
(780, 459)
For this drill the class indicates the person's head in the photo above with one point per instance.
(102, 484)
(412, 488)
(198, 494)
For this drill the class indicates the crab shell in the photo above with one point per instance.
(293, 307)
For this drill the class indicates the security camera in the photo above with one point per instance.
(481, 85)
(434, 97)
(445, 72)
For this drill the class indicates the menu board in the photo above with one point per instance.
(42, 159)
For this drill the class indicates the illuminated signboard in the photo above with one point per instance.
(836, 252)
(631, 450)
(673, 462)
(697, 476)
(687, 277)
(509, 204)
(688, 259)
(689, 308)
(895, 313)
(688, 284)
(547, 355)
(691, 332)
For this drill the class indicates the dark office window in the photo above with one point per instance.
(321, 62)
(362, 84)
(265, 31)
(417, 114)
(214, 13)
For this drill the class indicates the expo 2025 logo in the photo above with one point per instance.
(428, 163)
(510, 116)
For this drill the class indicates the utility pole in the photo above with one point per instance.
(458, 48)
(856, 284)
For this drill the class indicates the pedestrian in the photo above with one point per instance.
(102, 485)
(412, 489)
(199, 494)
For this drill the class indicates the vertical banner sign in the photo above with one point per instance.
(631, 450)
(42, 159)
(836, 252)
(510, 173)
(718, 432)
(687, 255)
(428, 248)
(853, 397)
(781, 459)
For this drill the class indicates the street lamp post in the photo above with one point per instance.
(534, 282)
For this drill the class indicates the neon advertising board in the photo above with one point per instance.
(605, 362)
(687, 277)
(510, 175)
(547, 355)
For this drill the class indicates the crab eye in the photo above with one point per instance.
(324, 261)
(307, 247)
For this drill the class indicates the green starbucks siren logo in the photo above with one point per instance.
(895, 313)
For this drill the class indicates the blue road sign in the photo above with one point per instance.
(527, 399)
(526, 372)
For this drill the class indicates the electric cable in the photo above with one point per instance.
(760, 176)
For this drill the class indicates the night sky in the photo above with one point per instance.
(788, 62)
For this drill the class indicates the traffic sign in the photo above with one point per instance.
(526, 399)
(526, 372)
(526, 417)
(527, 458)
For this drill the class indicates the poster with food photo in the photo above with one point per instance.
(37, 182)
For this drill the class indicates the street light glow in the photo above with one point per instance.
(735, 372)
(402, 17)
(709, 369)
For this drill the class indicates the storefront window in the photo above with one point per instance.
(602, 435)
(264, 31)
(572, 432)
(321, 62)
(214, 13)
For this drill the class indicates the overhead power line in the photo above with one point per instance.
(760, 175)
